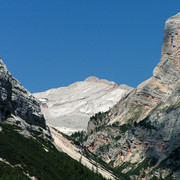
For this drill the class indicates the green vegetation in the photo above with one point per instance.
(99, 120)
(79, 137)
(136, 169)
(106, 166)
(172, 161)
(123, 166)
(144, 123)
(142, 166)
(98, 117)
(38, 157)
(124, 128)
(166, 178)
(7, 172)
(118, 137)
(104, 148)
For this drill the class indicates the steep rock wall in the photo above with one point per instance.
(141, 134)
(16, 100)
(159, 87)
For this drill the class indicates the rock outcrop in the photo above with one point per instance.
(69, 108)
(141, 133)
(160, 86)
(16, 100)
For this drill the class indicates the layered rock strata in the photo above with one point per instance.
(159, 87)
(69, 108)
(141, 133)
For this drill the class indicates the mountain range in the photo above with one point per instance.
(130, 133)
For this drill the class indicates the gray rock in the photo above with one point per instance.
(16, 100)
(152, 110)
(69, 108)
(160, 86)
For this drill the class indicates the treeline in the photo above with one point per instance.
(37, 157)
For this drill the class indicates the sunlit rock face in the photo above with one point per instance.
(69, 108)
(143, 130)
(160, 86)
(16, 100)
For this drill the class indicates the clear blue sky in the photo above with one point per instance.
(52, 43)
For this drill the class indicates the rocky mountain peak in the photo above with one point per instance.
(175, 17)
(92, 79)
(69, 108)
(16, 100)
(160, 86)
(125, 87)
(97, 80)
(168, 70)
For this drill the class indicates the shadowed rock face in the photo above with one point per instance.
(16, 100)
(146, 123)
(159, 87)
(69, 108)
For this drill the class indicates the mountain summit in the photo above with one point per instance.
(97, 80)
(69, 108)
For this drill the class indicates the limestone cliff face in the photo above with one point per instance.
(16, 100)
(141, 134)
(159, 87)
